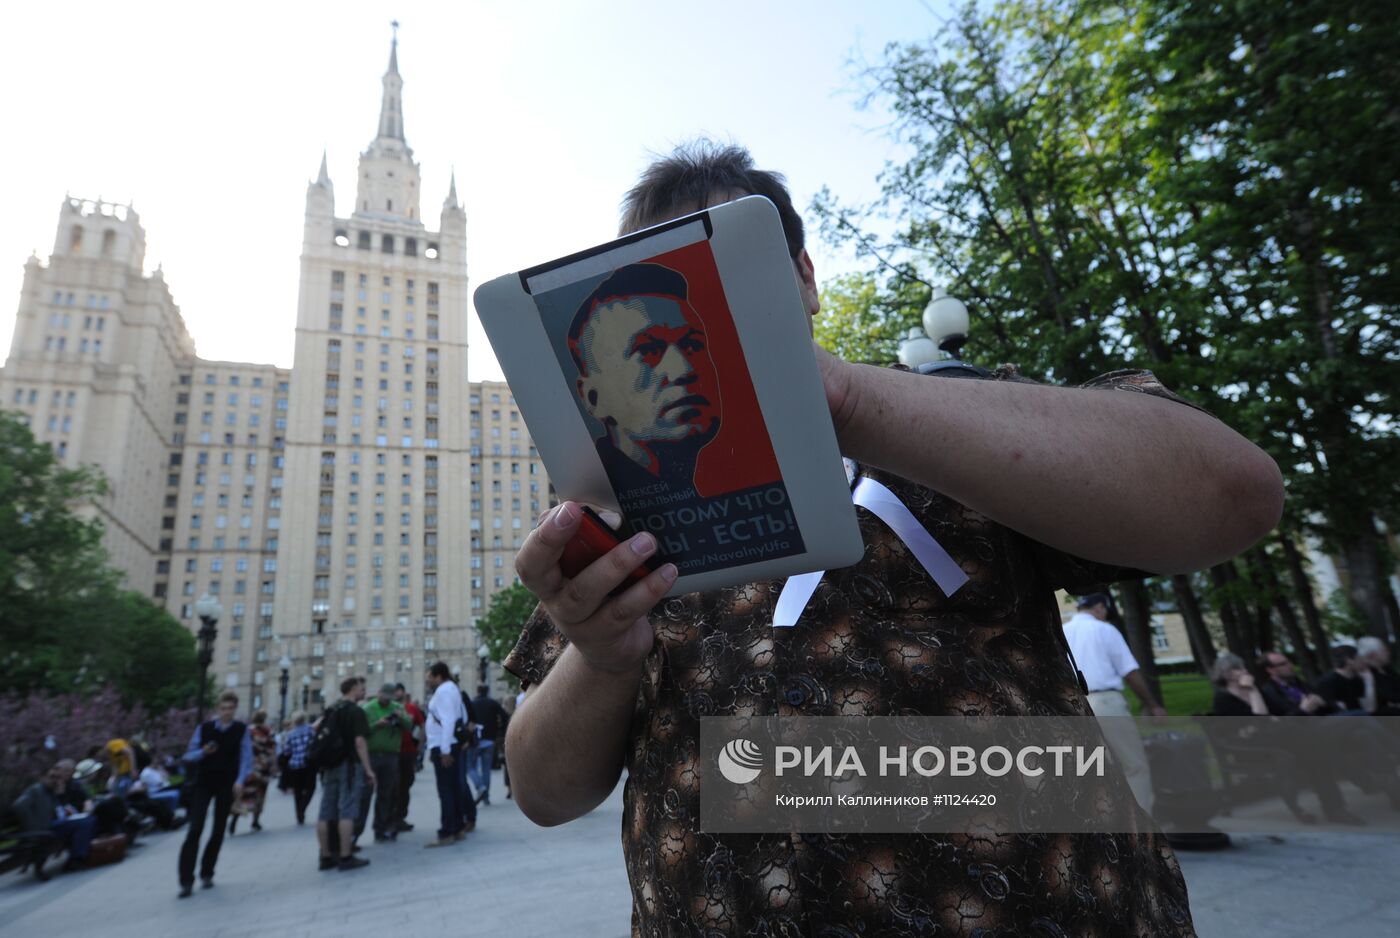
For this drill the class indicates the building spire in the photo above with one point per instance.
(324, 177)
(452, 189)
(391, 106)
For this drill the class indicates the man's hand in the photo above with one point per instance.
(445, 760)
(1312, 703)
(612, 634)
(370, 777)
(237, 791)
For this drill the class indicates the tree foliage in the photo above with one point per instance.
(1199, 187)
(66, 623)
(501, 626)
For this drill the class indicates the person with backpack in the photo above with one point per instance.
(340, 752)
(221, 753)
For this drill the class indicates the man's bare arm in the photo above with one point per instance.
(567, 743)
(1114, 477)
(1150, 704)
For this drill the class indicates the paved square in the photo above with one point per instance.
(511, 878)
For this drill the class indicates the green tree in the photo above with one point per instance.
(1113, 185)
(66, 624)
(501, 626)
(860, 322)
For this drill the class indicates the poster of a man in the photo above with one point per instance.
(646, 375)
(653, 361)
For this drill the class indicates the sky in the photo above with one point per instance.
(211, 119)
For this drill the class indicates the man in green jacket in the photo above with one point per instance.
(387, 721)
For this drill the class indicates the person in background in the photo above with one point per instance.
(1103, 657)
(221, 751)
(301, 778)
(155, 780)
(491, 719)
(1285, 692)
(519, 701)
(1382, 695)
(1237, 695)
(1343, 686)
(264, 767)
(387, 721)
(41, 807)
(343, 782)
(445, 713)
(409, 757)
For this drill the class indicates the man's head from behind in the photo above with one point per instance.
(644, 366)
(1095, 604)
(703, 173)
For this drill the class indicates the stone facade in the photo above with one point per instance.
(350, 514)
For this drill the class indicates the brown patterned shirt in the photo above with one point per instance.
(878, 638)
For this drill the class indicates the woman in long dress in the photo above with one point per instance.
(264, 767)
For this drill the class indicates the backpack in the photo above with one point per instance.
(327, 747)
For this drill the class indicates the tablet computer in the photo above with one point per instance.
(669, 375)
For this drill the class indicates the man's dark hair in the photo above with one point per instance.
(1093, 599)
(629, 281)
(440, 670)
(400, 687)
(1342, 655)
(228, 695)
(693, 174)
(349, 684)
(483, 690)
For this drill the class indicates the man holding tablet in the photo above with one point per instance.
(1030, 487)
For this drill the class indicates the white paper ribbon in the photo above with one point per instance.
(885, 505)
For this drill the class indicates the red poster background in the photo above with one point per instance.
(741, 454)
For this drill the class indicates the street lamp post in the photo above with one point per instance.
(483, 655)
(937, 347)
(306, 692)
(209, 612)
(286, 665)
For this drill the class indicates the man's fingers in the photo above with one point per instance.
(582, 596)
(537, 562)
(638, 600)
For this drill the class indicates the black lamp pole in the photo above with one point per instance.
(208, 610)
(282, 682)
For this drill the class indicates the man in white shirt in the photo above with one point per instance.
(1107, 664)
(445, 712)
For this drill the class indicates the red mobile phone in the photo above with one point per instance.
(594, 539)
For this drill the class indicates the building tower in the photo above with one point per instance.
(375, 445)
(98, 346)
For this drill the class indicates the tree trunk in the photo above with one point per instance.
(1202, 646)
(1137, 627)
(1303, 590)
(1364, 578)
(1268, 578)
(1393, 608)
(1234, 638)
